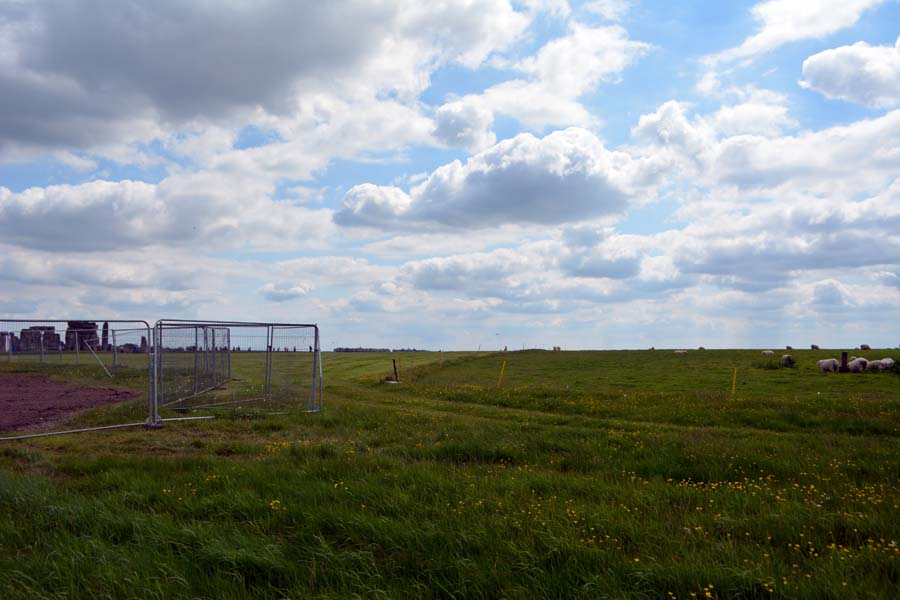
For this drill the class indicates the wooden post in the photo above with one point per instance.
(396, 373)
(844, 368)
(502, 370)
(734, 382)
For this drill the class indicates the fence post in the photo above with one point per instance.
(151, 383)
(42, 346)
(155, 366)
(77, 350)
(115, 350)
(205, 349)
(270, 340)
(313, 404)
(315, 396)
(9, 346)
(196, 359)
(215, 378)
(321, 400)
(319, 359)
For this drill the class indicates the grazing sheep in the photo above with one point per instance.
(788, 347)
(887, 363)
(701, 348)
(828, 364)
(767, 353)
(864, 347)
(681, 352)
(788, 361)
(858, 365)
(813, 347)
(874, 365)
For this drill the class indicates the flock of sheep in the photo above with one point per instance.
(856, 365)
(833, 365)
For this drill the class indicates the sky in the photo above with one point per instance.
(462, 174)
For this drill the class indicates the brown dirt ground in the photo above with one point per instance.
(29, 402)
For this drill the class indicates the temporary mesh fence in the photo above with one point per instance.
(215, 365)
(192, 359)
(182, 366)
(96, 354)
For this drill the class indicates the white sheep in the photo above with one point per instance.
(828, 364)
(788, 361)
(767, 353)
(858, 365)
(681, 352)
(885, 364)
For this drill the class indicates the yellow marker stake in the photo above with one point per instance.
(734, 381)
(502, 370)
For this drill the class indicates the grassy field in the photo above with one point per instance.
(586, 474)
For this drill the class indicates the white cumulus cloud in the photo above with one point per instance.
(465, 123)
(283, 291)
(860, 73)
(192, 208)
(762, 112)
(611, 10)
(76, 76)
(784, 21)
(561, 72)
(565, 176)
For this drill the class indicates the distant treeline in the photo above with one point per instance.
(379, 350)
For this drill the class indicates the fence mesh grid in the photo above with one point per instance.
(208, 365)
(95, 353)
(194, 360)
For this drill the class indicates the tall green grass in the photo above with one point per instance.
(589, 474)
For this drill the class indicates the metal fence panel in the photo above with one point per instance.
(83, 357)
(209, 365)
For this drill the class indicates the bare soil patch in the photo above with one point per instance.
(30, 402)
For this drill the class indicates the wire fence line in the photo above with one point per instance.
(189, 369)
(202, 365)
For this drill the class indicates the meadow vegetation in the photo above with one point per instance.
(622, 474)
